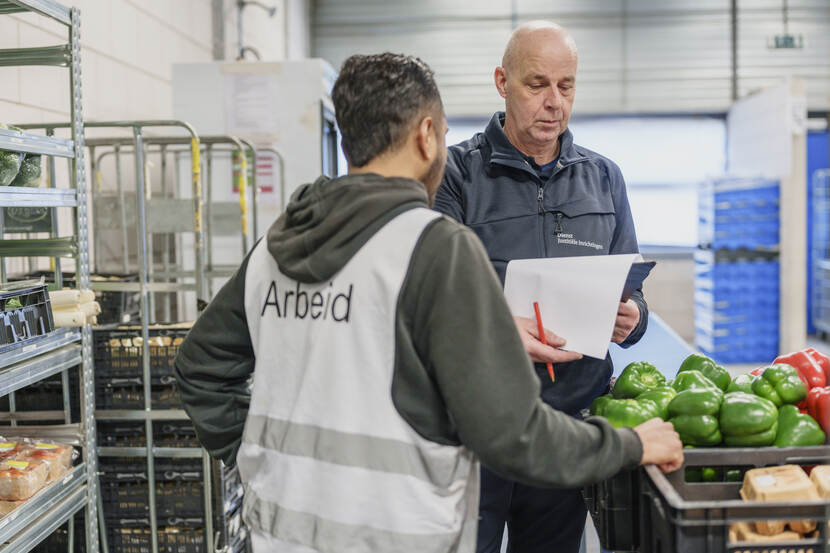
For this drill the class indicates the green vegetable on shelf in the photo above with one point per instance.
(741, 383)
(636, 378)
(797, 429)
(661, 397)
(9, 166)
(780, 384)
(12, 304)
(711, 370)
(29, 173)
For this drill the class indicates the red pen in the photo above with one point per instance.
(542, 337)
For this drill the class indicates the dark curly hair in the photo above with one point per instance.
(377, 99)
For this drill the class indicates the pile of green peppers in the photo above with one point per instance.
(708, 408)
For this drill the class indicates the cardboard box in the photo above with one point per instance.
(779, 484)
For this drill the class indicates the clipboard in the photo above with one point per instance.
(636, 275)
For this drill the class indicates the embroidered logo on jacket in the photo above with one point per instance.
(569, 239)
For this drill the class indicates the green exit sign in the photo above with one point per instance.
(786, 42)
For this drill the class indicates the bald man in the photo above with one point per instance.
(528, 191)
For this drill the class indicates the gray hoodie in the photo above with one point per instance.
(461, 374)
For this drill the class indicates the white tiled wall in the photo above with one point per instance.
(129, 47)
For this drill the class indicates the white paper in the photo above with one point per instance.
(249, 103)
(578, 296)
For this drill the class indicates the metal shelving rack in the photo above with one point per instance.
(57, 504)
(179, 215)
(170, 215)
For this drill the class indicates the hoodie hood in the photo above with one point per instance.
(328, 221)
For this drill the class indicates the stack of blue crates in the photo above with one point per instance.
(738, 214)
(737, 271)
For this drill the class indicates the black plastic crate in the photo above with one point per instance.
(117, 307)
(175, 498)
(131, 434)
(25, 315)
(58, 541)
(128, 393)
(118, 350)
(615, 508)
(171, 539)
(695, 517)
(47, 395)
(134, 469)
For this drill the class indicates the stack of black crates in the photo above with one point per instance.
(180, 502)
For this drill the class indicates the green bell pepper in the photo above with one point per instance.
(694, 379)
(699, 430)
(780, 384)
(734, 475)
(622, 413)
(693, 413)
(598, 405)
(696, 402)
(744, 414)
(712, 474)
(714, 372)
(741, 383)
(797, 429)
(636, 378)
(759, 439)
(661, 396)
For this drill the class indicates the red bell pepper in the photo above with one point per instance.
(757, 372)
(818, 406)
(809, 371)
(822, 360)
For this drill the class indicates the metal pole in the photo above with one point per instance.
(166, 237)
(67, 418)
(198, 237)
(208, 217)
(151, 313)
(178, 249)
(82, 277)
(12, 408)
(252, 183)
(145, 333)
(96, 175)
(242, 186)
(208, 499)
(123, 205)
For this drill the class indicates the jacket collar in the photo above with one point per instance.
(504, 153)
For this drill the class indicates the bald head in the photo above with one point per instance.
(533, 34)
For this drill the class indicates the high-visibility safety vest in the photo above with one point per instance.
(328, 464)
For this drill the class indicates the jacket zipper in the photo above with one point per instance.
(540, 196)
(558, 230)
